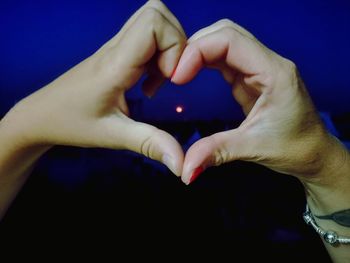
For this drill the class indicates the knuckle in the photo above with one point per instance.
(226, 22)
(147, 145)
(289, 70)
(220, 155)
(236, 29)
(230, 33)
(229, 27)
(152, 15)
(156, 4)
(290, 65)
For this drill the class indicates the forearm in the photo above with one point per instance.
(17, 158)
(332, 194)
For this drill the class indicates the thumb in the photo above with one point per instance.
(147, 140)
(214, 150)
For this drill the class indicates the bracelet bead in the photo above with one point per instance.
(330, 237)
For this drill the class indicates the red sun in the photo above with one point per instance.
(179, 109)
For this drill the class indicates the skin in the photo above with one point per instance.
(282, 129)
(86, 107)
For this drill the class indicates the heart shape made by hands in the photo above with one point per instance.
(271, 94)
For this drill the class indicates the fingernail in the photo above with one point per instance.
(169, 162)
(196, 173)
(172, 75)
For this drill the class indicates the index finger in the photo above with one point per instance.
(224, 44)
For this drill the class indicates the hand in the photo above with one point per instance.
(86, 106)
(282, 129)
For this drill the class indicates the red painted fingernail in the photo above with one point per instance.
(174, 72)
(196, 173)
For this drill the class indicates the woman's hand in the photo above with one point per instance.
(86, 106)
(282, 130)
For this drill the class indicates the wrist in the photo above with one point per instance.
(17, 130)
(18, 153)
(17, 159)
(328, 189)
(13, 131)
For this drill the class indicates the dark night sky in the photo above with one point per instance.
(42, 39)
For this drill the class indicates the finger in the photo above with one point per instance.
(150, 34)
(228, 45)
(218, 26)
(214, 150)
(155, 4)
(120, 132)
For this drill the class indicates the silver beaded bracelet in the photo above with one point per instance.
(328, 236)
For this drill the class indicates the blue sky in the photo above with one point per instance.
(42, 39)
